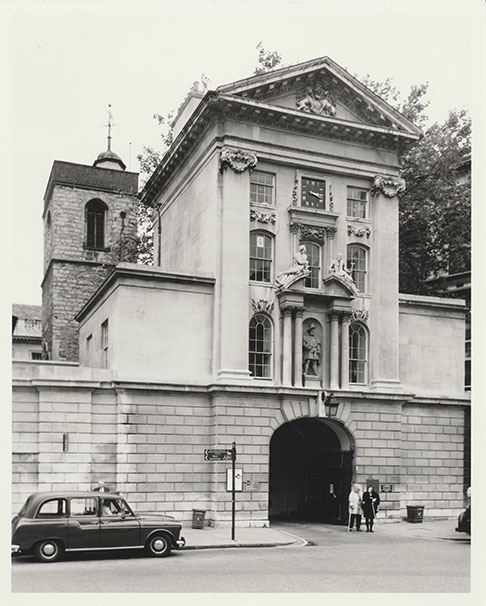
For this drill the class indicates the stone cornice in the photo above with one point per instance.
(141, 273)
(216, 106)
(308, 72)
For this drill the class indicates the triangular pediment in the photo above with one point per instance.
(335, 286)
(321, 87)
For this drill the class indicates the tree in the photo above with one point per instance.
(434, 211)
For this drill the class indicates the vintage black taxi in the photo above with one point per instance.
(50, 524)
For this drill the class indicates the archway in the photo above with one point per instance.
(310, 472)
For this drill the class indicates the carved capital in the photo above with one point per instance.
(331, 232)
(359, 315)
(237, 159)
(359, 232)
(262, 306)
(262, 217)
(388, 186)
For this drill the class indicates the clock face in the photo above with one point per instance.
(313, 193)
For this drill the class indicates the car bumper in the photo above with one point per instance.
(180, 543)
(15, 548)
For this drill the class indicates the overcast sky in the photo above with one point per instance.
(71, 59)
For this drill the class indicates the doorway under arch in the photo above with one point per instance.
(311, 466)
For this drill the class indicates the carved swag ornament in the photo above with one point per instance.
(359, 232)
(261, 306)
(262, 217)
(237, 159)
(388, 186)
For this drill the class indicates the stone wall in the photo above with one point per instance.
(77, 426)
(68, 286)
(432, 455)
(73, 272)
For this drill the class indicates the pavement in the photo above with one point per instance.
(220, 537)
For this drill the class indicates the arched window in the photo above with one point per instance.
(95, 224)
(357, 263)
(314, 257)
(260, 257)
(358, 353)
(260, 346)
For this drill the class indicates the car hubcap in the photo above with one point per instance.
(158, 545)
(49, 549)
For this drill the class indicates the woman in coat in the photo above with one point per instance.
(370, 503)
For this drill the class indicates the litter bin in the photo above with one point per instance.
(198, 518)
(415, 513)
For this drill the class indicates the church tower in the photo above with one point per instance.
(90, 224)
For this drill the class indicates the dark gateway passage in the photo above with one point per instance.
(310, 473)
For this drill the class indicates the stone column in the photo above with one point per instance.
(298, 370)
(334, 356)
(345, 351)
(287, 347)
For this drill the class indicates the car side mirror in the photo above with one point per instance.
(123, 515)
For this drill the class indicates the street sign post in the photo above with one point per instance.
(218, 454)
(226, 454)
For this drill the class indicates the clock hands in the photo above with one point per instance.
(316, 194)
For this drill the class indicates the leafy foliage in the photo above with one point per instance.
(267, 60)
(434, 211)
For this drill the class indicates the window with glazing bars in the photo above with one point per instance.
(357, 200)
(357, 265)
(262, 187)
(260, 346)
(95, 224)
(260, 257)
(357, 354)
(314, 257)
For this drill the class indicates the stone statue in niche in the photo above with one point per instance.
(316, 101)
(311, 345)
(299, 269)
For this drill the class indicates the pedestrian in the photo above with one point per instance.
(102, 487)
(371, 501)
(355, 507)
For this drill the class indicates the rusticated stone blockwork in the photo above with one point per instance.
(148, 441)
(432, 454)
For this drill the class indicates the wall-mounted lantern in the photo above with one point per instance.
(326, 401)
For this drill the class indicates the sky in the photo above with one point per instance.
(69, 60)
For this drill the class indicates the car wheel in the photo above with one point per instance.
(159, 546)
(48, 550)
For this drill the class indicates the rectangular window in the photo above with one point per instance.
(260, 258)
(357, 202)
(89, 340)
(36, 355)
(52, 509)
(262, 188)
(83, 507)
(104, 344)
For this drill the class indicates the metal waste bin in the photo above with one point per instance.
(415, 513)
(198, 516)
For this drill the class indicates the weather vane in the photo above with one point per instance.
(109, 125)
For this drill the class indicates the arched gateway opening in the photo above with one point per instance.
(311, 462)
